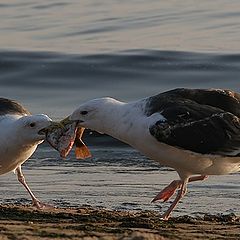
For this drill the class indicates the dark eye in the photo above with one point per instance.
(32, 124)
(84, 112)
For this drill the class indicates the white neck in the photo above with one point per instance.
(118, 120)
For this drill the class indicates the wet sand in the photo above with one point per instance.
(86, 222)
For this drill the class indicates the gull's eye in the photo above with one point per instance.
(84, 112)
(32, 124)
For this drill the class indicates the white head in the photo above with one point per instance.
(29, 128)
(95, 113)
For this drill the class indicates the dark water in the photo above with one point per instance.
(57, 83)
(55, 55)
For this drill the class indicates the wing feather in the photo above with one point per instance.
(197, 127)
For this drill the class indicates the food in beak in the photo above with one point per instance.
(62, 136)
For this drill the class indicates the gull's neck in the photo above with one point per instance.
(118, 120)
(8, 124)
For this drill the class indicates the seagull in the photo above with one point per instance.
(194, 131)
(20, 135)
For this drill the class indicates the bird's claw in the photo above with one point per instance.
(168, 191)
(40, 205)
(163, 218)
(163, 195)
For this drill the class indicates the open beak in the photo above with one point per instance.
(42, 131)
(56, 125)
(67, 121)
(52, 126)
(78, 122)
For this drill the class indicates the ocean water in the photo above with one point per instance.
(55, 55)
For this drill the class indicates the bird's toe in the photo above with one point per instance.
(42, 206)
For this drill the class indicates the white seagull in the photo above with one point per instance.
(194, 131)
(20, 135)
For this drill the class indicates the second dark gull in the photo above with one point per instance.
(194, 131)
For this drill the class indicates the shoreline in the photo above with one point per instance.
(88, 223)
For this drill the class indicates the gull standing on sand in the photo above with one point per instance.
(20, 135)
(194, 131)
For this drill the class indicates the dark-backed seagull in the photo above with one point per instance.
(20, 135)
(194, 131)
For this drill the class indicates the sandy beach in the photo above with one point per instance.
(86, 222)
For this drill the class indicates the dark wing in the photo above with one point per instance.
(8, 106)
(197, 127)
(226, 100)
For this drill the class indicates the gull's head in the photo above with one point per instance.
(94, 113)
(30, 128)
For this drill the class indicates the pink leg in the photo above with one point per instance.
(180, 194)
(35, 201)
(168, 191)
(197, 178)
